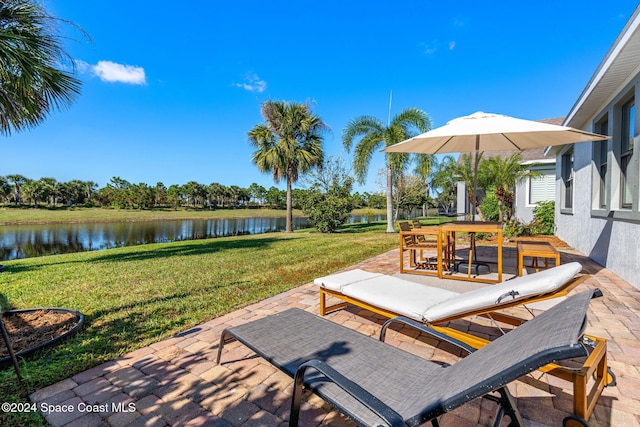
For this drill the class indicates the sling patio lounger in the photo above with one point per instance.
(376, 384)
(391, 296)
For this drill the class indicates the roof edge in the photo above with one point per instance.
(632, 24)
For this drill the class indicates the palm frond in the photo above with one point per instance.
(413, 117)
(425, 164)
(30, 56)
(369, 144)
(289, 142)
(360, 127)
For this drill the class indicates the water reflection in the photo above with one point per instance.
(25, 241)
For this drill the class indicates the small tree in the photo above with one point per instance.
(409, 193)
(502, 175)
(444, 182)
(329, 202)
(425, 168)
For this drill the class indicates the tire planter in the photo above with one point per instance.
(79, 318)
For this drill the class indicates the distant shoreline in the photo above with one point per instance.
(31, 216)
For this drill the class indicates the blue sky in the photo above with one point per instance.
(170, 89)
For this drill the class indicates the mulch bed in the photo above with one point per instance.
(30, 329)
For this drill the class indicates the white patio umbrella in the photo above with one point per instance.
(490, 132)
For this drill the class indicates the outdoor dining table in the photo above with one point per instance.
(449, 231)
(443, 243)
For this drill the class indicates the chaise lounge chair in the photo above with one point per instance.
(391, 296)
(376, 384)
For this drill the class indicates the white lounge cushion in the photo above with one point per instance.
(540, 283)
(336, 282)
(403, 297)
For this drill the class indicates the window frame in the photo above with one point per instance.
(567, 177)
(627, 133)
(618, 149)
(601, 164)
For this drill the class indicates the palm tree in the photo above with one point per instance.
(5, 190)
(287, 144)
(426, 165)
(374, 135)
(160, 194)
(215, 193)
(174, 195)
(51, 190)
(464, 170)
(30, 54)
(502, 175)
(17, 181)
(445, 179)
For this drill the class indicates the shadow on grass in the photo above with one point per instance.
(363, 227)
(199, 247)
(195, 247)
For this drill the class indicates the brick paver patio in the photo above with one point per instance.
(176, 381)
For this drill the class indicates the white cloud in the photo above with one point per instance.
(430, 48)
(81, 66)
(252, 83)
(112, 72)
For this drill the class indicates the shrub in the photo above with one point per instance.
(543, 218)
(489, 208)
(328, 202)
(326, 211)
(513, 229)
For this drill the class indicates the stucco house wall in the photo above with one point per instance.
(614, 244)
(591, 213)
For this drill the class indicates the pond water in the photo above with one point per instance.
(32, 240)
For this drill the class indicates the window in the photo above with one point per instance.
(626, 152)
(543, 187)
(615, 169)
(601, 156)
(567, 179)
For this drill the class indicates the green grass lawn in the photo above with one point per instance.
(134, 296)
(10, 215)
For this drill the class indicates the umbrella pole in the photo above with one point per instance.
(473, 256)
(475, 181)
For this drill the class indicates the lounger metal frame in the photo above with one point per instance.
(295, 341)
(595, 366)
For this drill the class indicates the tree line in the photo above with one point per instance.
(18, 190)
